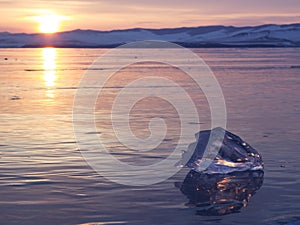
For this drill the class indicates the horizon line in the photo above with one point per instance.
(163, 28)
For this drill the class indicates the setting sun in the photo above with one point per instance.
(49, 22)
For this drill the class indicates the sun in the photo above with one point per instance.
(49, 23)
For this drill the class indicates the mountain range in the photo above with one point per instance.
(270, 35)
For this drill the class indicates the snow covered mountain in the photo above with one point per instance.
(209, 36)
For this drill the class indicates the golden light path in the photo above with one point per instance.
(49, 58)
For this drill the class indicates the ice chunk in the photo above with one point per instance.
(233, 153)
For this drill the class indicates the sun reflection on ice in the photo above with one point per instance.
(49, 57)
(50, 93)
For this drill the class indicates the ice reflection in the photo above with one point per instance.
(49, 57)
(220, 194)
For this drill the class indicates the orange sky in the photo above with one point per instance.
(122, 14)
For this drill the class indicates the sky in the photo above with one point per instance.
(17, 15)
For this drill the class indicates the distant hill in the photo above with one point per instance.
(209, 36)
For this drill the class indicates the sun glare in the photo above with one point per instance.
(49, 23)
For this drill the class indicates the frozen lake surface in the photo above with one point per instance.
(45, 180)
